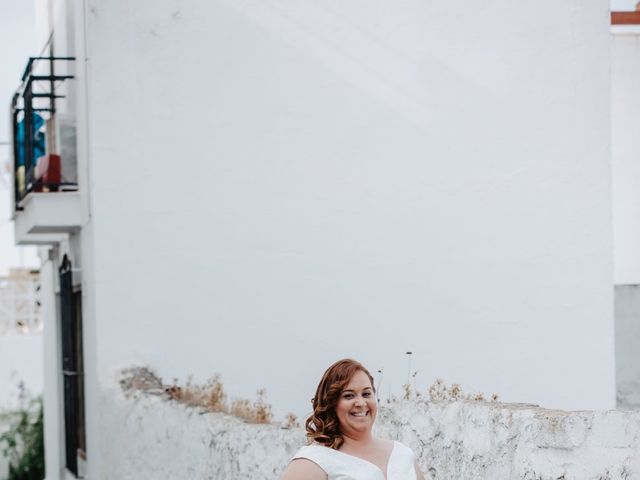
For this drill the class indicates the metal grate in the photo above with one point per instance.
(30, 111)
(72, 368)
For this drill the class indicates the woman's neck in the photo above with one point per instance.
(357, 439)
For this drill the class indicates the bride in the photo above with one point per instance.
(342, 446)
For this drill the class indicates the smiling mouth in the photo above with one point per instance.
(360, 414)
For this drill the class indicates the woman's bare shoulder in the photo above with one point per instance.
(303, 469)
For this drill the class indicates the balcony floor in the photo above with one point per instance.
(47, 218)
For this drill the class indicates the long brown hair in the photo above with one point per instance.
(322, 426)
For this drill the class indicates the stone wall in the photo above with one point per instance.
(147, 436)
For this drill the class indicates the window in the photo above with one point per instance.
(72, 367)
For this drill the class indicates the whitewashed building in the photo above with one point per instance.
(20, 337)
(21, 355)
(19, 303)
(625, 118)
(258, 188)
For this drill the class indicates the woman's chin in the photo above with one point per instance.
(358, 426)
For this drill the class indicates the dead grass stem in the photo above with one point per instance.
(210, 397)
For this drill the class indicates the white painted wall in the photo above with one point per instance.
(333, 203)
(53, 389)
(269, 186)
(276, 185)
(625, 118)
(155, 439)
(627, 341)
(625, 77)
(20, 361)
(623, 5)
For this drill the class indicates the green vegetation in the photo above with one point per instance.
(23, 442)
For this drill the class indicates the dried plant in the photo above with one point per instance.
(241, 408)
(215, 398)
(291, 421)
(211, 396)
(262, 408)
(406, 389)
(455, 392)
(257, 412)
(439, 392)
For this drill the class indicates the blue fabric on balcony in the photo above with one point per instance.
(38, 146)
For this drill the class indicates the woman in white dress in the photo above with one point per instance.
(342, 446)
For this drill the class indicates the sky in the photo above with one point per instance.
(17, 43)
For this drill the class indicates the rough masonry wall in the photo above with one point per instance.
(147, 436)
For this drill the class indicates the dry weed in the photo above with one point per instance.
(215, 398)
(439, 392)
(257, 412)
(211, 396)
(406, 394)
(291, 421)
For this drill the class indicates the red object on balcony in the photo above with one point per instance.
(47, 173)
(626, 18)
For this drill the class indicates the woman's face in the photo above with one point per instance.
(356, 408)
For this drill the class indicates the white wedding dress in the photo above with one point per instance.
(342, 466)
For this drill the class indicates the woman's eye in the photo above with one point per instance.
(348, 396)
(366, 394)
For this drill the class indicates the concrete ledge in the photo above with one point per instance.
(147, 436)
(47, 218)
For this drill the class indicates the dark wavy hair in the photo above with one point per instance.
(322, 425)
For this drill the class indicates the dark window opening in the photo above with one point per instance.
(72, 368)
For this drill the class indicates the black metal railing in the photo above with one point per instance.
(33, 104)
(72, 368)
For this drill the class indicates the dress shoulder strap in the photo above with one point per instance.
(402, 466)
(321, 456)
(405, 451)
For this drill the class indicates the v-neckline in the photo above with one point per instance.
(384, 473)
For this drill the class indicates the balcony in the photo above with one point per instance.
(46, 200)
(47, 218)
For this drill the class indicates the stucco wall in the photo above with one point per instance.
(270, 185)
(627, 341)
(150, 437)
(20, 361)
(319, 178)
(625, 124)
